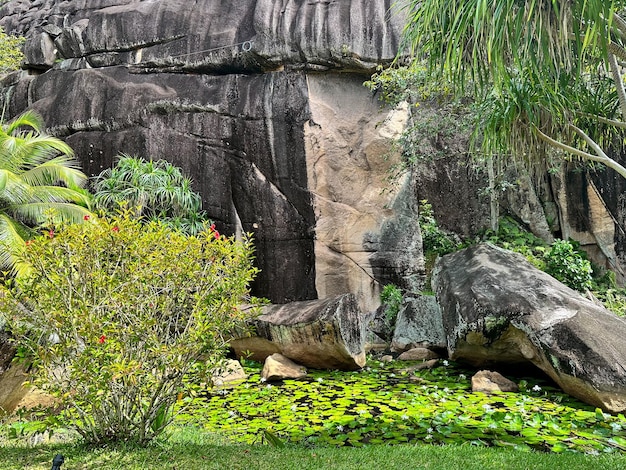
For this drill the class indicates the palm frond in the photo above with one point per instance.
(38, 213)
(61, 169)
(29, 119)
(12, 236)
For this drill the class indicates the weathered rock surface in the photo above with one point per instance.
(319, 334)
(498, 308)
(488, 381)
(418, 354)
(243, 96)
(419, 324)
(278, 367)
(12, 377)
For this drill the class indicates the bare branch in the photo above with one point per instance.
(600, 156)
(619, 84)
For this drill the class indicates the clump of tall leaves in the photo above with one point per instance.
(116, 313)
(155, 189)
(10, 52)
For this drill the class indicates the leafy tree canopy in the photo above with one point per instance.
(545, 73)
(10, 52)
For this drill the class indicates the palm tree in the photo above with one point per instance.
(544, 72)
(40, 182)
(155, 190)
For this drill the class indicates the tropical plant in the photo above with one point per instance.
(435, 240)
(156, 190)
(545, 72)
(568, 265)
(10, 52)
(391, 297)
(116, 315)
(40, 182)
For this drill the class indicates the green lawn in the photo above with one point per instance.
(190, 449)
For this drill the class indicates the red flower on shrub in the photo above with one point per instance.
(217, 234)
(51, 233)
(29, 242)
(116, 229)
(85, 217)
(102, 339)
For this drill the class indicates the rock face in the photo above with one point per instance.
(246, 98)
(498, 308)
(419, 324)
(320, 334)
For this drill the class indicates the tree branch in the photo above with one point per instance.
(610, 122)
(619, 84)
(620, 24)
(600, 156)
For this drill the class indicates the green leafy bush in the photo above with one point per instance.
(391, 298)
(512, 236)
(434, 239)
(568, 265)
(157, 190)
(117, 314)
(10, 52)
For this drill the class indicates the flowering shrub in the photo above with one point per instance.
(117, 314)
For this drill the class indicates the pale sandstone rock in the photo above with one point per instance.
(319, 334)
(278, 367)
(229, 373)
(487, 381)
(418, 354)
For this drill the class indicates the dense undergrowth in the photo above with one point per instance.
(387, 403)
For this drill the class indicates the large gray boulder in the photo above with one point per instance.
(320, 334)
(499, 309)
(419, 324)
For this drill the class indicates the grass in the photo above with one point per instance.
(191, 448)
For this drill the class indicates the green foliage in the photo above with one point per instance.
(40, 181)
(10, 52)
(439, 120)
(512, 236)
(568, 265)
(391, 297)
(117, 314)
(613, 298)
(435, 240)
(538, 69)
(562, 260)
(389, 404)
(157, 189)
